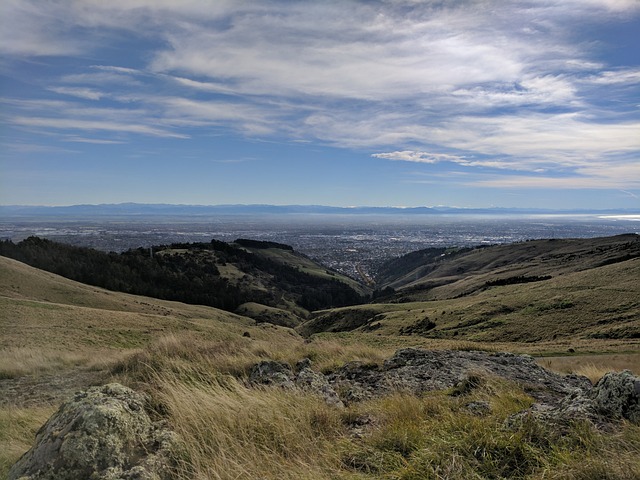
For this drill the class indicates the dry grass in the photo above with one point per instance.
(593, 366)
(189, 355)
(18, 427)
(193, 360)
(232, 432)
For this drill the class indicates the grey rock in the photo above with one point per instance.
(303, 364)
(617, 396)
(278, 374)
(559, 398)
(270, 372)
(316, 383)
(103, 433)
(479, 408)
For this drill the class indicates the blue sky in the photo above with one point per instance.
(478, 103)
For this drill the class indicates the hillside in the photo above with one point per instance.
(441, 273)
(530, 292)
(217, 274)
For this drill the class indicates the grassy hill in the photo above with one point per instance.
(526, 292)
(441, 273)
(599, 303)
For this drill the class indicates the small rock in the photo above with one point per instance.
(316, 383)
(303, 364)
(270, 372)
(479, 408)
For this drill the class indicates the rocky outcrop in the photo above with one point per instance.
(616, 396)
(559, 398)
(269, 372)
(416, 371)
(103, 433)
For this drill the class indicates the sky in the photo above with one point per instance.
(467, 103)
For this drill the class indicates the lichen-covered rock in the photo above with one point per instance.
(270, 372)
(310, 381)
(479, 408)
(617, 396)
(278, 374)
(103, 433)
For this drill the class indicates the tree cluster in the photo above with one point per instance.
(186, 272)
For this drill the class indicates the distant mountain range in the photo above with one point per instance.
(143, 209)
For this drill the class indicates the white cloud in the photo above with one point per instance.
(96, 141)
(36, 29)
(88, 93)
(614, 77)
(421, 157)
(90, 125)
(504, 84)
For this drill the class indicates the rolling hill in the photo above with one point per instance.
(440, 273)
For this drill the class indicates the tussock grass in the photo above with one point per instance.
(192, 361)
(18, 427)
(232, 432)
(16, 362)
(593, 366)
(188, 355)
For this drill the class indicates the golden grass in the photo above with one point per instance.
(18, 427)
(193, 361)
(593, 366)
(189, 355)
(232, 432)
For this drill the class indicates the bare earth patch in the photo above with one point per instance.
(47, 388)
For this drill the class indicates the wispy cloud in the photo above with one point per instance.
(96, 141)
(616, 77)
(88, 93)
(506, 85)
(420, 157)
(75, 124)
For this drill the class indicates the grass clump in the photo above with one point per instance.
(18, 427)
(235, 432)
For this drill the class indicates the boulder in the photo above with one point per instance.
(316, 383)
(103, 433)
(617, 396)
(270, 372)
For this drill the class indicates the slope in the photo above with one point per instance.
(435, 274)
